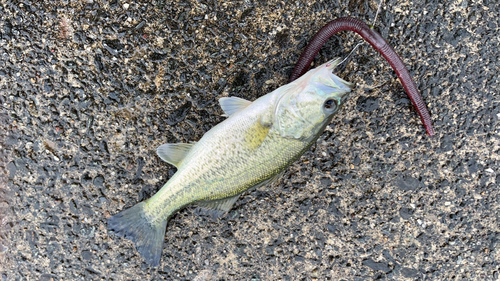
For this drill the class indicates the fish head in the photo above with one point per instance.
(308, 104)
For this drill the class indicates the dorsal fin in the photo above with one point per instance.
(174, 153)
(231, 105)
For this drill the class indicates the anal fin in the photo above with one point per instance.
(219, 207)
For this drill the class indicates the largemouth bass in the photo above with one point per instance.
(252, 147)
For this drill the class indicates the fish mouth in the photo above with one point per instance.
(341, 83)
(343, 89)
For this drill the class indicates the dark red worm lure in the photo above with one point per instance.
(379, 43)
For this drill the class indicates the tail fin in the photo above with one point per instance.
(148, 237)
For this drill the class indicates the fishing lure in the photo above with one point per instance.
(377, 42)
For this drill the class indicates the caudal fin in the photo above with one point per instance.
(148, 237)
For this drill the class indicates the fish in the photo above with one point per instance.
(249, 149)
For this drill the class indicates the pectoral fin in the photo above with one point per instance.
(231, 105)
(174, 153)
(255, 135)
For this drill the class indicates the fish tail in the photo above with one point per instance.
(147, 236)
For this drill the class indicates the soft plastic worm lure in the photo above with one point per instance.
(379, 43)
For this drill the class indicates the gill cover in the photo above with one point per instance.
(299, 111)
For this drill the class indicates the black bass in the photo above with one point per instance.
(258, 141)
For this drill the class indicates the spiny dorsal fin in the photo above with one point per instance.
(231, 105)
(173, 153)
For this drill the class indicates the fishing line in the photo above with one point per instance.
(362, 42)
(376, 14)
(350, 53)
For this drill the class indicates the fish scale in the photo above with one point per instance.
(228, 176)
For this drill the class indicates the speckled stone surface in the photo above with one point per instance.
(90, 88)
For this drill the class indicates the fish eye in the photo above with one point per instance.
(330, 105)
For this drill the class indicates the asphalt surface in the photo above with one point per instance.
(90, 88)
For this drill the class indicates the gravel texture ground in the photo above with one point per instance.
(90, 88)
